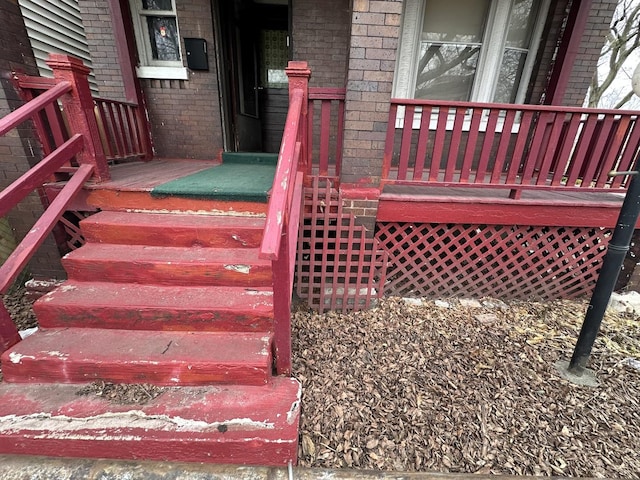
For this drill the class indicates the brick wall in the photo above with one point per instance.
(96, 17)
(590, 47)
(321, 38)
(19, 149)
(375, 29)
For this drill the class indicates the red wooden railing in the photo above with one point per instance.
(58, 150)
(283, 215)
(122, 130)
(324, 144)
(517, 147)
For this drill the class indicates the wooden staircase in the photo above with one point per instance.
(175, 300)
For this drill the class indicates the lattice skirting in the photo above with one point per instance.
(507, 262)
(339, 265)
(70, 223)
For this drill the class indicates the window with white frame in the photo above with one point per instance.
(155, 24)
(468, 50)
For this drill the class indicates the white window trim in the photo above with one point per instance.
(148, 67)
(490, 58)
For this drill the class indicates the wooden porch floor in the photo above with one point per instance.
(131, 183)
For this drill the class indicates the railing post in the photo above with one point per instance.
(79, 111)
(299, 74)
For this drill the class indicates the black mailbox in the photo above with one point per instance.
(196, 53)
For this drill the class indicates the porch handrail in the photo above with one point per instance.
(71, 88)
(517, 147)
(280, 235)
(122, 129)
(28, 110)
(326, 110)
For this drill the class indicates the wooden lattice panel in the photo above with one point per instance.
(508, 262)
(339, 265)
(70, 222)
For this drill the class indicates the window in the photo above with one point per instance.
(468, 50)
(156, 28)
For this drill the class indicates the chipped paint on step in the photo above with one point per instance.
(246, 269)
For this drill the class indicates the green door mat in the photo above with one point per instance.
(249, 182)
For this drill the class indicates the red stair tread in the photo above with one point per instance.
(156, 307)
(75, 355)
(168, 265)
(231, 424)
(162, 229)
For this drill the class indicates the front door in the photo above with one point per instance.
(254, 50)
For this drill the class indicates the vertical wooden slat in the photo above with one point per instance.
(310, 131)
(551, 149)
(563, 159)
(503, 147)
(470, 150)
(53, 118)
(613, 150)
(131, 130)
(405, 145)
(389, 141)
(122, 129)
(521, 144)
(114, 130)
(438, 144)
(454, 144)
(541, 134)
(325, 122)
(583, 145)
(630, 151)
(423, 138)
(596, 153)
(487, 145)
(339, 137)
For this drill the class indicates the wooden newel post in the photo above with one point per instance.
(299, 74)
(79, 109)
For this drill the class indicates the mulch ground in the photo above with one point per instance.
(454, 386)
(468, 388)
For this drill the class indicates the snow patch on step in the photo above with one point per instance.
(267, 293)
(58, 424)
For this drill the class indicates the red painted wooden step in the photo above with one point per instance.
(156, 307)
(177, 230)
(75, 355)
(168, 265)
(229, 424)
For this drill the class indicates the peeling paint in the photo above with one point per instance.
(101, 423)
(55, 353)
(246, 269)
(68, 288)
(238, 239)
(279, 218)
(259, 292)
(227, 213)
(17, 357)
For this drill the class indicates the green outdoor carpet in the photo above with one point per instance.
(235, 181)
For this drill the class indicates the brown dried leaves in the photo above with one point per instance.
(466, 389)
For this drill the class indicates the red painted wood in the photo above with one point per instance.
(325, 118)
(520, 145)
(405, 142)
(438, 144)
(597, 153)
(454, 145)
(176, 230)
(487, 146)
(168, 265)
(629, 155)
(564, 157)
(467, 210)
(423, 138)
(621, 133)
(539, 137)
(28, 82)
(156, 307)
(389, 140)
(79, 110)
(194, 424)
(119, 200)
(15, 118)
(281, 181)
(472, 139)
(550, 149)
(21, 255)
(9, 335)
(581, 149)
(76, 355)
(503, 146)
(39, 174)
(339, 137)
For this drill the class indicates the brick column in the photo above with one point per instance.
(375, 28)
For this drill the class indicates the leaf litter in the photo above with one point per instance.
(467, 387)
